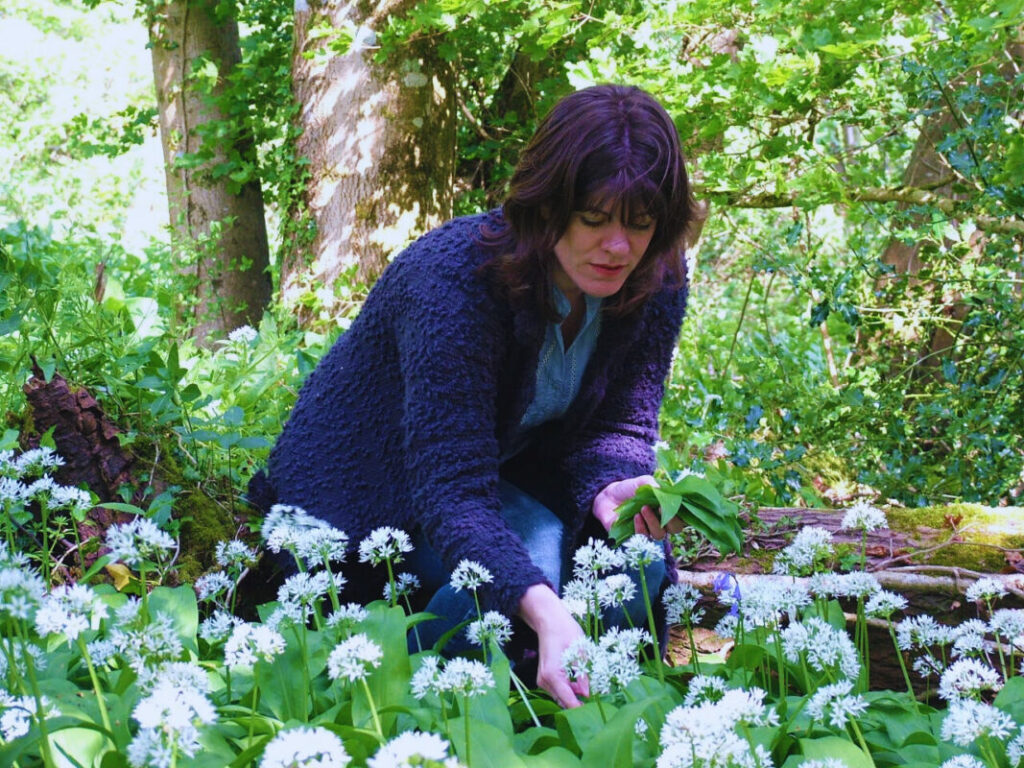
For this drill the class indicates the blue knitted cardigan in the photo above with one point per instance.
(403, 421)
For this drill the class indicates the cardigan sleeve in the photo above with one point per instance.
(617, 440)
(450, 343)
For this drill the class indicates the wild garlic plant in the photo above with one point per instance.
(171, 677)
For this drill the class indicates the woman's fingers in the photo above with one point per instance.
(562, 691)
(648, 523)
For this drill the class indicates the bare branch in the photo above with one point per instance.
(908, 195)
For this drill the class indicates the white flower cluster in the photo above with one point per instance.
(250, 643)
(347, 617)
(143, 643)
(986, 589)
(611, 663)
(491, 627)
(825, 648)
(765, 602)
(70, 610)
(353, 658)
(218, 626)
(615, 590)
(470, 575)
(963, 761)
(405, 585)
(384, 543)
(596, 558)
(864, 517)
(855, 584)
(169, 719)
(139, 540)
(639, 550)
(413, 748)
(234, 554)
(55, 496)
(704, 735)
(883, 604)
(31, 463)
(704, 689)
(298, 594)
(1007, 624)
(463, 676)
(836, 704)
(210, 586)
(243, 335)
(680, 601)
(313, 541)
(305, 747)
(21, 591)
(18, 712)
(967, 720)
(967, 679)
(810, 550)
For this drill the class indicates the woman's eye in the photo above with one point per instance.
(592, 220)
(642, 224)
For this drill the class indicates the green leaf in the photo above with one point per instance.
(612, 747)
(554, 757)
(835, 748)
(581, 725)
(117, 506)
(386, 626)
(490, 747)
(180, 604)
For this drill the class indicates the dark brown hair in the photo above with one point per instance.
(606, 145)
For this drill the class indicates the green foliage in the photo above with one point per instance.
(695, 502)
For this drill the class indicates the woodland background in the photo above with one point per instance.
(171, 173)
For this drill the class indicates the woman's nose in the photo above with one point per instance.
(615, 239)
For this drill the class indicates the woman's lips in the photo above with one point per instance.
(608, 270)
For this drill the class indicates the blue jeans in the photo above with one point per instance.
(544, 536)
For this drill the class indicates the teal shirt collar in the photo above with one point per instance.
(562, 305)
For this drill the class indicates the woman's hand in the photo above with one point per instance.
(646, 522)
(556, 630)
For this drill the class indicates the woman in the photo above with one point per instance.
(497, 396)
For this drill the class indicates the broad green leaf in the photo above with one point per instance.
(555, 757)
(389, 683)
(535, 739)
(612, 746)
(837, 748)
(180, 604)
(490, 747)
(579, 726)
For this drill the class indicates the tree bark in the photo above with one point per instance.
(379, 138)
(218, 233)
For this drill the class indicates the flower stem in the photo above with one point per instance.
(860, 740)
(903, 663)
(300, 633)
(44, 734)
(653, 625)
(84, 649)
(521, 689)
(255, 701)
(693, 647)
(373, 711)
(391, 582)
(465, 718)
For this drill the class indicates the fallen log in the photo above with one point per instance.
(931, 556)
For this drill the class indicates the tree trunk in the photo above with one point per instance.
(379, 138)
(218, 230)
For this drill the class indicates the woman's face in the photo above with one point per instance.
(597, 252)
